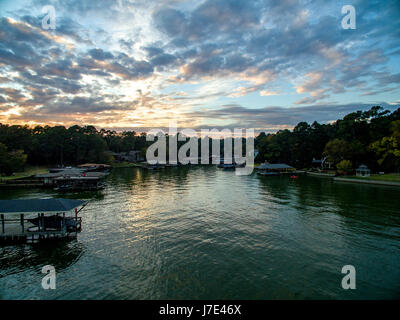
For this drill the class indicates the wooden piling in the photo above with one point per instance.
(2, 223)
(43, 223)
(22, 223)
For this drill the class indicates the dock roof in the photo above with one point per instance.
(274, 166)
(39, 205)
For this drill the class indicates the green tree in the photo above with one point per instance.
(11, 161)
(336, 150)
(4, 159)
(17, 160)
(387, 149)
(345, 166)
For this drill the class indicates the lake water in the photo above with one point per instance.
(204, 233)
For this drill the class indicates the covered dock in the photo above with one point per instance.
(274, 168)
(89, 181)
(94, 167)
(33, 220)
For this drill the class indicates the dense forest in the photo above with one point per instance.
(364, 137)
(45, 145)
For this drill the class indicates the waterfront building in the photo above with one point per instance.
(274, 169)
(363, 171)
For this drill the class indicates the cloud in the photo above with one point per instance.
(266, 93)
(99, 54)
(128, 59)
(285, 39)
(274, 116)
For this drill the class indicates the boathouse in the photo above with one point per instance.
(86, 182)
(321, 163)
(73, 179)
(94, 167)
(274, 168)
(33, 220)
(50, 178)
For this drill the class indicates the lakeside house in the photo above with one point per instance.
(316, 163)
(321, 163)
(274, 169)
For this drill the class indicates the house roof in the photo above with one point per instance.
(274, 166)
(316, 161)
(39, 205)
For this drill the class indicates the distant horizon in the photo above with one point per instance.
(140, 130)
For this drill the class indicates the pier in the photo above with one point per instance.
(35, 220)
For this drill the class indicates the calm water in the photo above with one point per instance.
(205, 233)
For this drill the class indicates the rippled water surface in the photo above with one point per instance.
(205, 233)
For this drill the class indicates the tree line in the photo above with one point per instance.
(363, 137)
(45, 145)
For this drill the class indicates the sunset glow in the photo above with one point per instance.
(141, 64)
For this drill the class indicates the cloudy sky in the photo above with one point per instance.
(139, 64)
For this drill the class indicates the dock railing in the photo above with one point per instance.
(23, 226)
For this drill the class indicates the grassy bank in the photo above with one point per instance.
(393, 177)
(29, 171)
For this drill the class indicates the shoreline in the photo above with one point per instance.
(353, 180)
(320, 174)
(376, 182)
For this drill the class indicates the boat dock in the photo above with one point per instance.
(36, 220)
(274, 169)
(35, 237)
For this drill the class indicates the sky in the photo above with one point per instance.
(141, 64)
